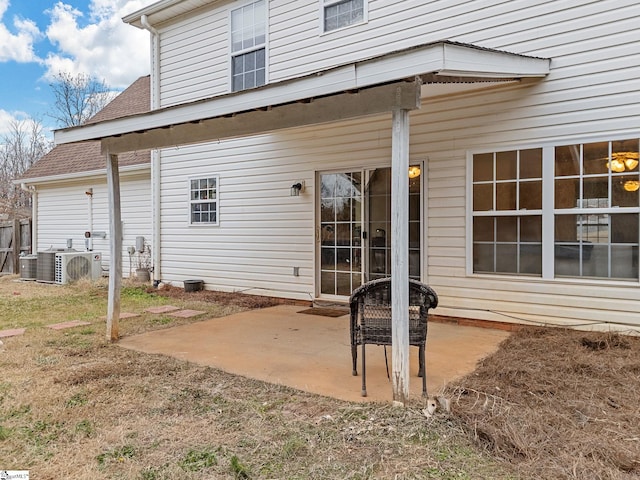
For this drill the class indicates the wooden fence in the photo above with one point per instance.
(15, 238)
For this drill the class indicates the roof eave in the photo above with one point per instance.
(127, 169)
(164, 10)
(154, 8)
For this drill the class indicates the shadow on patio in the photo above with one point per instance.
(312, 353)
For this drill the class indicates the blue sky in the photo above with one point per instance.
(40, 38)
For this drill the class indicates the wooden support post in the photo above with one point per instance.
(400, 254)
(115, 244)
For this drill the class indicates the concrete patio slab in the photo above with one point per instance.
(312, 353)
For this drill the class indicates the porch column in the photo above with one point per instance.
(400, 254)
(115, 248)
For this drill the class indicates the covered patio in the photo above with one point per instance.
(312, 353)
(393, 83)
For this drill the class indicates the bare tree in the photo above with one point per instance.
(78, 98)
(21, 147)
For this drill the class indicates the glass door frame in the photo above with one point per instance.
(366, 236)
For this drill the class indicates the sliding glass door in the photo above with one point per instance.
(355, 228)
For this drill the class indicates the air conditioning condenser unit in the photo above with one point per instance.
(73, 266)
(29, 267)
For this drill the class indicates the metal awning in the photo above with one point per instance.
(357, 89)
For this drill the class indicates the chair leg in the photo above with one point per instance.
(420, 361)
(364, 373)
(423, 371)
(354, 359)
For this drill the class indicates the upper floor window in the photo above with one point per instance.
(342, 13)
(203, 201)
(248, 46)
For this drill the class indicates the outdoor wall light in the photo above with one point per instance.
(296, 188)
(414, 171)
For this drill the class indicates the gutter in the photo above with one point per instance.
(155, 154)
(34, 215)
(149, 10)
(130, 169)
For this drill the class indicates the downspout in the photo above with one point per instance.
(155, 154)
(34, 215)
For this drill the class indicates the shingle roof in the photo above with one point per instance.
(72, 158)
(135, 99)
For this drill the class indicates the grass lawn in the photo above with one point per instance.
(73, 405)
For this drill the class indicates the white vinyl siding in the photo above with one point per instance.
(591, 95)
(194, 59)
(590, 39)
(267, 232)
(63, 212)
(539, 28)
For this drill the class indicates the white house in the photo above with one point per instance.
(69, 189)
(499, 139)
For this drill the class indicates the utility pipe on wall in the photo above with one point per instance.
(155, 154)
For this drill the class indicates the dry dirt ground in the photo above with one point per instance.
(550, 404)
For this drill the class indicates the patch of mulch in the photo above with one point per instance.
(221, 298)
(558, 403)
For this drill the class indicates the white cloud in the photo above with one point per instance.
(17, 46)
(7, 118)
(105, 47)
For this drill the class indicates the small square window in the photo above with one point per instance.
(203, 201)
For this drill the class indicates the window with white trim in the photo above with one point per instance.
(203, 200)
(592, 217)
(596, 210)
(507, 212)
(248, 46)
(342, 13)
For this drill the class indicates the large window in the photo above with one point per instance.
(591, 212)
(248, 46)
(203, 201)
(596, 210)
(342, 13)
(507, 205)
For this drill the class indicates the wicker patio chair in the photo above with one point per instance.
(371, 321)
